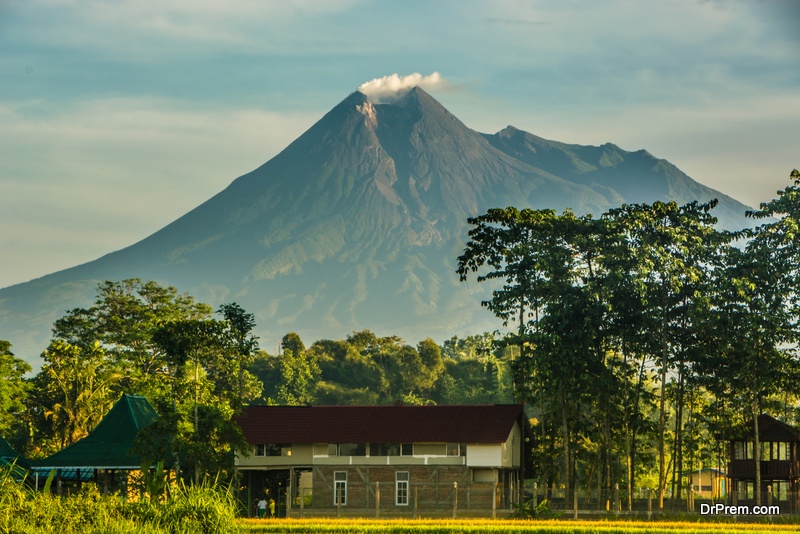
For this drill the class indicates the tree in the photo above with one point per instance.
(671, 246)
(75, 389)
(299, 374)
(13, 388)
(239, 330)
(124, 318)
(757, 309)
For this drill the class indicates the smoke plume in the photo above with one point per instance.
(389, 88)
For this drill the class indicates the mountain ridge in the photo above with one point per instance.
(358, 224)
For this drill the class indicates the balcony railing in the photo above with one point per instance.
(771, 469)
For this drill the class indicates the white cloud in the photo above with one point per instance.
(390, 87)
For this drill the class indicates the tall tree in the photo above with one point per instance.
(670, 245)
(13, 388)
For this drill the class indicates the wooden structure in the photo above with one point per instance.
(384, 460)
(779, 465)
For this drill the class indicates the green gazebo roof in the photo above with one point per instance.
(8, 456)
(6, 451)
(110, 444)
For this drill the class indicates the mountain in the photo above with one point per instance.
(358, 224)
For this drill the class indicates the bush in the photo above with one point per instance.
(205, 510)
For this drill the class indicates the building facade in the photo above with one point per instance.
(779, 464)
(384, 460)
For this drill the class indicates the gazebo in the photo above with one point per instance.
(107, 450)
(13, 460)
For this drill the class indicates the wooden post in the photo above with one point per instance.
(289, 491)
(455, 499)
(617, 503)
(377, 500)
(494, 502)
(535, 495)
(302, 501)
(416, 495)
(339, 504)
(575, 502)
(769, 495)
(649, 503)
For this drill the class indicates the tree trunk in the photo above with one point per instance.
(566, 439)
(757, 451)
(662, 420)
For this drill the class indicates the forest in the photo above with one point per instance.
(637, 340)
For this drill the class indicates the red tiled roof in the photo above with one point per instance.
(379, 424)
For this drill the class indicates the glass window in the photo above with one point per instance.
(401, 488)
(746, 489)
(456, 449)
(780, 490)
(780, 451)
(333, 449)
(352, 449)
(406, 449)
(260, 449)
(340, 488)
(277, 449)
(743, 450)
(384, 449)
(430, 449)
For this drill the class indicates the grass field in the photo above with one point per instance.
(478, 526)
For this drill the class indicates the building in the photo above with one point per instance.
(107, 454)
(779, 466)
(708, 483)
(389, 460)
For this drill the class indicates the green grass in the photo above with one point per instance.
(189, 510)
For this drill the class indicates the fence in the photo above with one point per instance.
(412, 500)
(645, 502)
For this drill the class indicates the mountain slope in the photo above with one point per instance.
(357, 224)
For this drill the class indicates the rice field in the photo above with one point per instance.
(488, 526)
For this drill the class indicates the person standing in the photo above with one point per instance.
(262, 508)
(272, 507)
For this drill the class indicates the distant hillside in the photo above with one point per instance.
(358, 223)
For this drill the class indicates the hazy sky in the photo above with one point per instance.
(117, 117)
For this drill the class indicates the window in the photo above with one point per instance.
(352, 449)
(780, 451)
(406, 449)
(384, 449)
(743, 450)
(745, 489)
(333, 449)
(456, 449)
(261, 450)
(276, 449)
(401, 488)
(780, 490)
(431, 449)
(340, 488)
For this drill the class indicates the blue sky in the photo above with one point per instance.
(118, 116)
